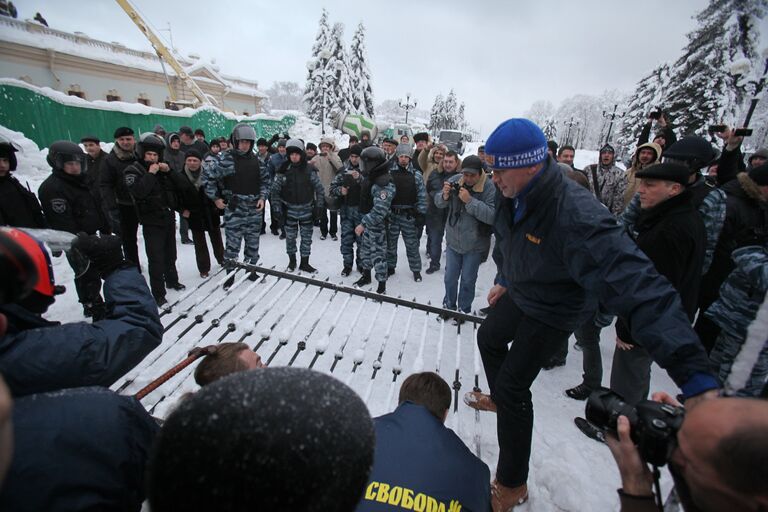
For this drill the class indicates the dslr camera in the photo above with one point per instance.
(456, 186)
(656, 114)
(653, 425)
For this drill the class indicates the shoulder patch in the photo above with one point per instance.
(130, 179)
(383, 194)
(59, 205)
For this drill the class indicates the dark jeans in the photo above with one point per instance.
(510, 373)
(160, 244)
(588, 336)
(183, 229)
(334, 222)
(435, 230)
(631, 374)
(129, 228)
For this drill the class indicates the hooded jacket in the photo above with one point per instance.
(565, 253)
(608, 184)
(426, 161)
(637, 166)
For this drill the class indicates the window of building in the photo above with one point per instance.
(112, 95)
(143, 99)
(74, 90)
(171, 105)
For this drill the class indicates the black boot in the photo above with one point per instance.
(580, 392)
(305, 266)
(365, 279)
(346, 271)
(253, 277)
(229, 282)
(433, 268)
(291, 262)
(382, 287)
(417, 277)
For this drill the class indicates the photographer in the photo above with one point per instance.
(717, 459)
(664, 136)
(469, 198)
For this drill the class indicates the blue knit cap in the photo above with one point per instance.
(516, 143)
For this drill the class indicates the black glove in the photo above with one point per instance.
(274, 139)
(105, 252)
(317, 213)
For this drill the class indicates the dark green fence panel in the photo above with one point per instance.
(44, 119)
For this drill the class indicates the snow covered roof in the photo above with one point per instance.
(78, 44)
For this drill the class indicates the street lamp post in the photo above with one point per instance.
(321, 74)
(754, 84)
(407, 106)
(570, 124)
(612, 116)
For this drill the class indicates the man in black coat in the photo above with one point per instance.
(95, 159)
(201, 214)
(18, 206)
(117, 200)
(671, 233)
(156, 191)
(69, 205)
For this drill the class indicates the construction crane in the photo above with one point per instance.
(165, 55)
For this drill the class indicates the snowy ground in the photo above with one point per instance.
(568, 471)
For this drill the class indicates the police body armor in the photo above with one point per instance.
(246, 180)
(406, 195)
(298, 188)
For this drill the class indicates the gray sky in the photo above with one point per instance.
(500, 56)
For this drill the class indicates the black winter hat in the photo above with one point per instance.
(90, 138)
(552, 145)
(759, 175)
(669, 172)
(8, 150)
(282, 438)
(696, 151)
(123, 131)
(215, 142)
(421, 136)
(472, 164)
(262, 142)
(186, 130)
(311, 145)
(357, 149)
(194, 153)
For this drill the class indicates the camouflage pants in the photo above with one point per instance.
(350, 218)
(403, 223)
(298, 218)
(727, 347)
(374, 251)
(243, 222)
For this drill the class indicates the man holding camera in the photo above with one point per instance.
(346, 188)
(717, 458)
(469, 198)
(559, 253)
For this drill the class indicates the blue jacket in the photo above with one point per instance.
(38, 356)
(566, 253)
(79, 449)
(419, 460)
(274, 163)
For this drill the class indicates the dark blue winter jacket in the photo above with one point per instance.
(38, 356)
(80, 449)
(274, 163)
(419, 464)
(566, 253)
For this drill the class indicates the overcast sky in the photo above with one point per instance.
(499, 56)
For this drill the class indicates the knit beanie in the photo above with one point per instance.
(404, 150)
(516, 143)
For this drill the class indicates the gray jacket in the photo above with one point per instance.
(469, 226)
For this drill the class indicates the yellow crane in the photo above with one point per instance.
(165, 55)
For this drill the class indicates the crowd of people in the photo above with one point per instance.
(675, 248)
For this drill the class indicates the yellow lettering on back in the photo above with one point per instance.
(370, 494)
(395, 496)
(407, 499)
(383, 495)
(420, 503)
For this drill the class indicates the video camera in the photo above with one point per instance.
(653, 425)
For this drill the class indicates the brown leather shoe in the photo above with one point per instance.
(504, 499)
(479, 401)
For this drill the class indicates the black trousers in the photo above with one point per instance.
(129, 228)
(160, 244)
(510, 373)
(334, 223)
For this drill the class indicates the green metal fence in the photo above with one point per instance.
(45, 120)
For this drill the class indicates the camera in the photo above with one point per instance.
(742, 132)
(656, 114)
(653, 425)
(456, 186)
(717, 128)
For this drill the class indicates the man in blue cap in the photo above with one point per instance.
(559, 252)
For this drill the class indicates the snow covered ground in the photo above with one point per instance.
(568, 470)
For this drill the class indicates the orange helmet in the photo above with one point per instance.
(25, 265)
